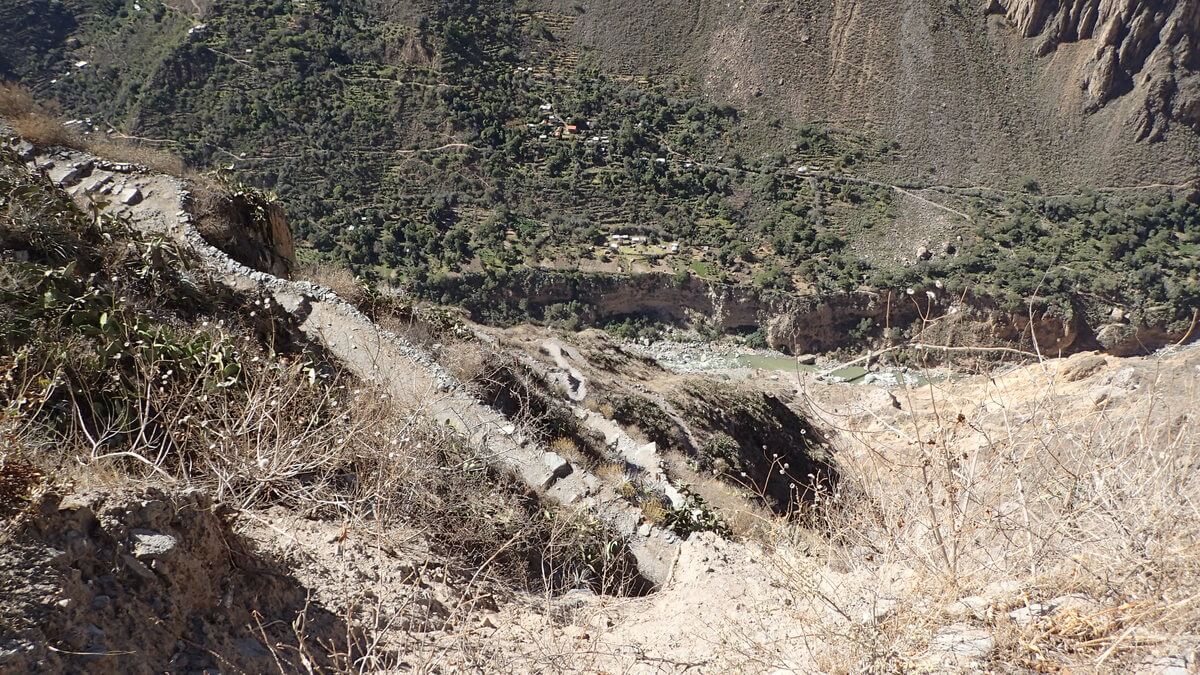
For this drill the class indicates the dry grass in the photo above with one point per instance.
(40, 123)
(1012, 493)
(133, 151)
(610, 472)
(568, 448)
(35, 122)
(334, 277)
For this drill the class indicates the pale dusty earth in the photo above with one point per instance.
(753, 606)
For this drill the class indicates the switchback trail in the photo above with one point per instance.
(409, 374)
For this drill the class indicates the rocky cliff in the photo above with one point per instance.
(802, 323)
(1147, 50)
(251, 227)
(1070, 92)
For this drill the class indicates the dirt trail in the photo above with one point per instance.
(642, 458)
(158, 204)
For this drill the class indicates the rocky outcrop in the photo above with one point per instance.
(801, 323)
(252, 229)
(145, 581)
(1148, 50)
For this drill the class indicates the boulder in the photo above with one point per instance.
(25, 150)
(557, 466)
(1081, 367)
(131, 196)
(150, 545)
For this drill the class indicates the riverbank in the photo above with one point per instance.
(686, 352)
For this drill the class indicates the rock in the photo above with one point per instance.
(1024, 615)
(1075, 602)
(1143, 44)
(149, 545)
(1103, 396)
(559, 468)
(923, 253)
(97, 184)
(138, 568)
(879, 610)
(1081, 367)
(425, 613)
(577, 632)
(251, 648)
(131, 197)
(66, 176)
(807, 359)
(970, 607)
(1001, 590)
(1128, 378)
(1114, 337)
(576, 598)
(1175, 664)
(25, 150)
(959, 645)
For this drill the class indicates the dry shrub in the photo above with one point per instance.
(611, 472)
(653, 509)
(37, 123)
(568, 448)
(465, 361)
(337, 278)
(1021, 492)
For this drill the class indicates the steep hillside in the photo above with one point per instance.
(206, 466)
(1146, 51)
(974, 93)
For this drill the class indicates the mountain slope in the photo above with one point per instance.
(813, 147)
(972, 94)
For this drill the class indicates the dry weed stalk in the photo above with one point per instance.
(1036, 484)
